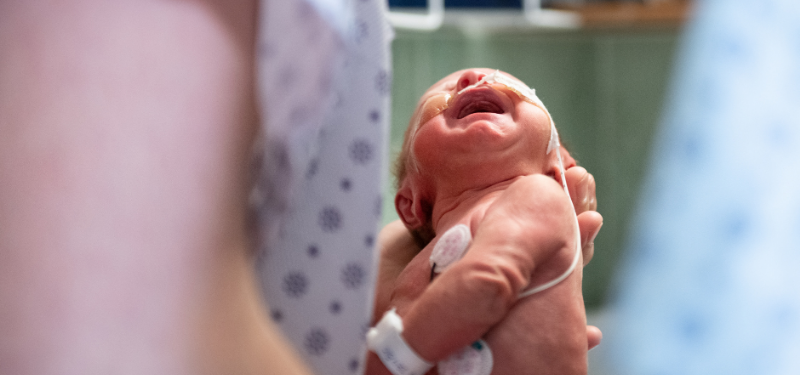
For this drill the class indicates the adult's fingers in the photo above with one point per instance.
(589, 223)
(593, 336)
(581, 189)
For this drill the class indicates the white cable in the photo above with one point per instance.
(577, 256)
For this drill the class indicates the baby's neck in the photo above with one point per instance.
(467, 207)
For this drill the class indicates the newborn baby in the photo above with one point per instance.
(481, 157)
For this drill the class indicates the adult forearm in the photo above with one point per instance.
(124, 133)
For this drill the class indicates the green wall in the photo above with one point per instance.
(603, 88)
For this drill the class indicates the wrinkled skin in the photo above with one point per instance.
(518, 241)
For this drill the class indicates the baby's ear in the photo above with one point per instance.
(408, 206)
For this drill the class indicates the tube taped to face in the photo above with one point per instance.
(439, 103)
(526, 93)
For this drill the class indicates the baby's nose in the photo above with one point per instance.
(469, 77)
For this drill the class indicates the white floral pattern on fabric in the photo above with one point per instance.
(324, 82)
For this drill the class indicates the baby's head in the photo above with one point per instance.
(472, 129)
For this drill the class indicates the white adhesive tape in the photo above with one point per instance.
(475, 359)
(384, 339)
(450, 247)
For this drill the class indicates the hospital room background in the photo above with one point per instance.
(687, 114)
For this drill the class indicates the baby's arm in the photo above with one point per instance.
(398, 248)
(477, 292)
(544, 333)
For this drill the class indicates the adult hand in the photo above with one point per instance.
(581, 186)
(582, 191)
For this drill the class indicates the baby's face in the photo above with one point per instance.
(489, 131)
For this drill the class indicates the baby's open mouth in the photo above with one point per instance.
(479, 100)
(479, 106)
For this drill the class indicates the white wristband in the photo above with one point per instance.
(384, 339)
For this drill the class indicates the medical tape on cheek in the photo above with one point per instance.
(528, 94)
(432, 107)
(437, 104)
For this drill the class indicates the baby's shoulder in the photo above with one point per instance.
(536, 182)
(538, 195)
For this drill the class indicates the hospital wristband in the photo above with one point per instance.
(384, 339)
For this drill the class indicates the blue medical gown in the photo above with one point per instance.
(711, 284)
